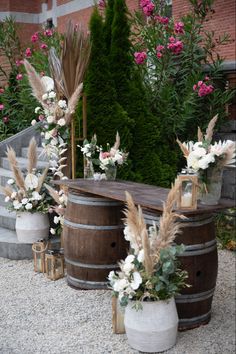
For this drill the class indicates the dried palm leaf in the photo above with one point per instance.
(183, 148)
(32, 155)
(53, 193)
(199, 135)
(210, 128)
(11, 155)
(117, 142)
(7, 190)
(72, 103)
(56, 72)
(132, 219)
(42, 179)
(38, 88)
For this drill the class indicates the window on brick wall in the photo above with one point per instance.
(169, 8)
(49, 23)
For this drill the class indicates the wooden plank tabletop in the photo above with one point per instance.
(147, 196)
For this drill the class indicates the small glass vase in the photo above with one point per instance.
(111, 173)
(88, 169)
(211, 190)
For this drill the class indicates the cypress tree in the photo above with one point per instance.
(105, 115)
(109, 16)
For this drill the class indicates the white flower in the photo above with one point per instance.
(103, 176)
(29, 206)
(54, 141)
(45, 96)
(17, 205)
(199, 152)
(61, 122)
(48, 83)
(36, 196)
(53, 231)
(62, 199)
(111, 276)
(37, 109)
(120, 284)
(62, 104)
(137, 280)
(7, 199)
(141, 256)
(42, 134)
(50, 119)
(13, 195)
(52, 94)
(33, 122)
(24, 201)
(97, 176)
(11, 181)
(192, 161)
(204, 162)
(56, 219)
(48, 135)
(31, 181)
(129, 258)
(127, 268)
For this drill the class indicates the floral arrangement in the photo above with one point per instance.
(26, 192)
(202, 155)
(90, 149)
(113, 156)
(151, 271)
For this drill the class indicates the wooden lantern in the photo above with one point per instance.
(188, 183)
(54, 262)
(39, 248)
(117, 317)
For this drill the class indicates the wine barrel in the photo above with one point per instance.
(93, 239)
(200, 260)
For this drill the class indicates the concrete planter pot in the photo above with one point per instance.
(31, 227)
(154, 328)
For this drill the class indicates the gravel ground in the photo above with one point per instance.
(41, 316)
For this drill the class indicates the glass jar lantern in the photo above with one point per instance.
(188, 183)
(54, 262)
(39, 248)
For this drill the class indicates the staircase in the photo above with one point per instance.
(9, 245)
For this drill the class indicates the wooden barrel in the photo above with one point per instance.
(93, 239)
(201, 262)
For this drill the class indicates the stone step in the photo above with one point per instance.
(5, 175)
(22, 163)
(2, 199)
(7, 219)
(40, 150)
(12, 249)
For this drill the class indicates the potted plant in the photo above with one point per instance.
(25, 194)
(149, 279)
(209, 160)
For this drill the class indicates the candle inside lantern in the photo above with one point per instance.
(186, 200)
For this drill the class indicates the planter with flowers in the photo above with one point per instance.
(109, 160)
(209, 160)
(25, 194)
(89, 150)
(149, 279)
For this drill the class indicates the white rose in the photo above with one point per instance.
(141, 256)
(31, 181)
(7, 199)
(24, 201)
(53, 231)
(205, 161)
(56, 219)
(61, 122)
(48, 135)
(111, 276)
(11, 181)
(120, 285)
(37, 109)
(48, 83)
(137, 280)
(192, 161)
(33, 122)
(199, 152)
(62, 104)
(127, 267)
(52, 94)
(29, 206)
(17, 205)
(50, 119)
(45, 96)
(36, 196)
(129, 258)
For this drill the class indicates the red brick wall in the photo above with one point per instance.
(82, 17)
(4, 5)
(223, 20)
(26, 30)
(28, 6)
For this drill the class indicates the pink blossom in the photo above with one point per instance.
(159, 55)
(179, 28)
(1, 107)
(162, 20)
(5, 120)
(148, 9)
(35, 37)
(41, 117)
(48, 32)
(43, 46)
(205, 90)
(140, 57)
(28, 52)
(172, 39)
(105, 154)
(19, 77)
(144, 3)
(199, 83)
(19, 62)
(2, 90)
(194, 87)
(175, 45)
(159, 48)
(206, 78)
(101, 4)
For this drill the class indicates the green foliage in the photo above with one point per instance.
(105, 115)
(225, 229)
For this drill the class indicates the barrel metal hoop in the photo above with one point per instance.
(190, 222)
(193, 320)
(87, 283)
(200, 251)
(92, 227)
(92, 201)
(92, 266)
(180, 299)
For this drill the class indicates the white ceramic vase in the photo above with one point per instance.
(31, 227)
(154, 328)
